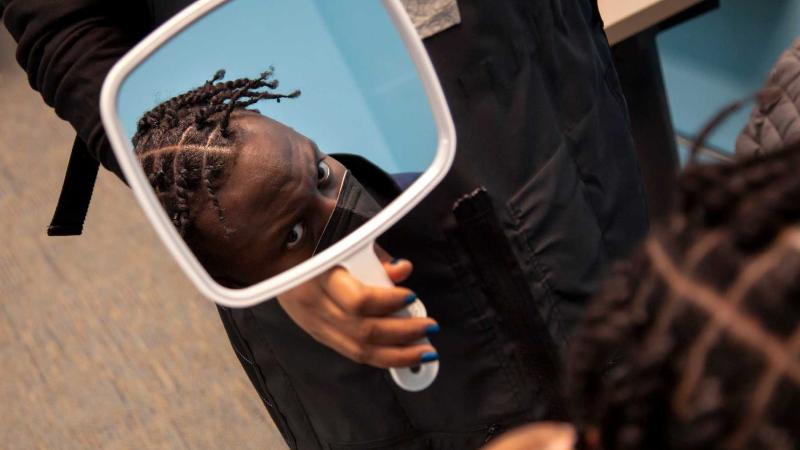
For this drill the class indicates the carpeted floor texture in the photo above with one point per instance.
(103, 341)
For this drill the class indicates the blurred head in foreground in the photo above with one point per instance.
(694, 341)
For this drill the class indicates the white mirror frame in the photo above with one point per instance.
(342, 250)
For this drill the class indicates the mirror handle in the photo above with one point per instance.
(367, 267)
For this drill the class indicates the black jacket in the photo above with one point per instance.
(67, 47)
(544, 192)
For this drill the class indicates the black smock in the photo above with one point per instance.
(544, 192)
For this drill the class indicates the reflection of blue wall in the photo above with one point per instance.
(389, 82)
(360, 90)
(722, 56)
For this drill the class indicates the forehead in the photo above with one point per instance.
(269, 153)
(264, 139)
(272, 159)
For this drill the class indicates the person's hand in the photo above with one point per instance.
(355, 319)
(537, 436)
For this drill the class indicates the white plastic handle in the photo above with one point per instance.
(366, 266)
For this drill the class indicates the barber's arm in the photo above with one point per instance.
(67, 47)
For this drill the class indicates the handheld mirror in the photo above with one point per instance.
(270, 140)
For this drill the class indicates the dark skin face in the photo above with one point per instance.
(277, 198)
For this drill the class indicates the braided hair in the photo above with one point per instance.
(186, 143)
(694, 342)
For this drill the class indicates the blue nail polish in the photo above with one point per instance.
(428, 357)
(432, 329)
(411, 298)
(395, 261)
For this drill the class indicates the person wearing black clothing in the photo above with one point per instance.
(544, 192)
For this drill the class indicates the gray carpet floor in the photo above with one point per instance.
(103, 341)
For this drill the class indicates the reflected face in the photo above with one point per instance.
(277, 199)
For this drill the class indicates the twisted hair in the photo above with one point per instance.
(186, 143)
(694, 342)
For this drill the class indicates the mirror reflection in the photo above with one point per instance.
(257, 175)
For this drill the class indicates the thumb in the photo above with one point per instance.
(398, 269)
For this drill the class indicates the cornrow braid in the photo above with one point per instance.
(710, 196)
(694, 342)
(186, 143)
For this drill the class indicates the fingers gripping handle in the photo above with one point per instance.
(366, 266)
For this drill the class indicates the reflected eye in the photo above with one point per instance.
(296, 235)
(323, 172)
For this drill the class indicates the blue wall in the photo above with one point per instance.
(722, 56)
(360, 91)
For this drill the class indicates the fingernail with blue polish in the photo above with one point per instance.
(395, 261)
(428, 357)
(432, 329)
(411, 298)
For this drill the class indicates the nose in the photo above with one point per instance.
(323, 206)
(326, 201)
(325, 198)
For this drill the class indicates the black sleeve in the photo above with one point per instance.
(67, 47)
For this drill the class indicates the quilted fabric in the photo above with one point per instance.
(775, 120)
(432, 16)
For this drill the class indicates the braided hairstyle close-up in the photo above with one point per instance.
(187, 143)
(694, 342)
